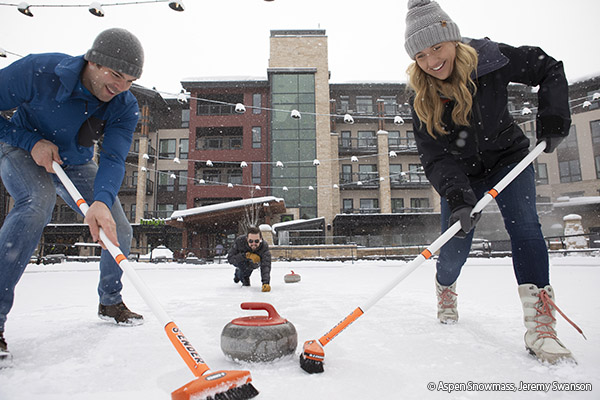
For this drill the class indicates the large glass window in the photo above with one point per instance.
(166, 148)
(396, 173)
(569, 171)
(397, 205)
(166, 182)
(419, 204)
(347, 205)
(184, 146)
(256, 137)
(256, 173)
(183, 179)
(256, 103)
(369, 206)
(367, 139)
(541, 173)
(595, 128)
(364, 104)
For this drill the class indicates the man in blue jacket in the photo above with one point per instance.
(64, 105)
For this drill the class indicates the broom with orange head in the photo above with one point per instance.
(313, 355)
(208, 385)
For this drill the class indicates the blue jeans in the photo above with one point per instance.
(517, 206)
(34, 192)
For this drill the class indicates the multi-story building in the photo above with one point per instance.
(340, 154)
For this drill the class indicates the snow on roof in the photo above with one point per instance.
(240, 78)
(577, 201)
(294, 222)
(223, 206)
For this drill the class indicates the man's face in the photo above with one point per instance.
(105, 83)
(253, 240)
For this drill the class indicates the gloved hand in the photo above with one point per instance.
(255, 258)
(553, 129)
(266, 287)
(467, 223)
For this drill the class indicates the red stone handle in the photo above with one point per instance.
(273, 315)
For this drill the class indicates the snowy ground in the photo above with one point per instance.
(63, 351)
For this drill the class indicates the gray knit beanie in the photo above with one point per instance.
(426, 25)
(118, 49)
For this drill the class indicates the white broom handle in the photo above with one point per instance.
(119, 257)
(453, 230)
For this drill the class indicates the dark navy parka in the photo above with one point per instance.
(493, 140)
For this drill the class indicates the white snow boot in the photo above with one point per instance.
(538, 311)
(447, 303)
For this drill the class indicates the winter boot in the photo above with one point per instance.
(5, 356)
(538, 311)
(447, 303)
(119, 314)
(246, 281)
(236, 276)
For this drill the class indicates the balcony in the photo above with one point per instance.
(129, 186)
(361, 210)
(409, 180)
(402, 145)
(358, 145)
(219, 143)
(133, 155)
(359, 180)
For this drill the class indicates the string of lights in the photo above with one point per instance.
(95, 8)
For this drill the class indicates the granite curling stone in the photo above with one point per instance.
(259, 338)
(291, 278)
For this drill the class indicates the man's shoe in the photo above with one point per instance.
(119, 314)
(5, 356)
(245, 281)
(236, 276)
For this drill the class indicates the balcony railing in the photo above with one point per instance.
(406, 210)
(133, 156)
(359, 180)
(219, 143)
(402, 144)
(129, 186)
(365, 145)
(408, 180)
(215, 109)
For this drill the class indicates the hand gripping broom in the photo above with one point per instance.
(225, 385)
(313, 355)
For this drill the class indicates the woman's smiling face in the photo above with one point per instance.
(437, 60)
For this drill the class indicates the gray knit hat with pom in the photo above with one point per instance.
(426, 25)
(118, 49)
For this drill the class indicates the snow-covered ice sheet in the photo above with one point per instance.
(63, 351)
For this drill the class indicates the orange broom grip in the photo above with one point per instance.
(328, 337)
(185, 349)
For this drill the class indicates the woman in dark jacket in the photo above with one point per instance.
(468, 141)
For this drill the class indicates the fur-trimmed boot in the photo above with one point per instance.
(447, 303)
(540, 338)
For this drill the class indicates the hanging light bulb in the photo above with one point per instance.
(209, 163)
(230, 185)
(202, 181)
(393, 154)
(240, 108)
(145, 156)
(2, 52)
(181, 97)
(587, 103)
(23, 7)
(96, 9)
(176, 160)
(311, 188)
(353, 159)
(243, 164)
(285, 189)
(398, 120)
(296, 114)
(348, 119)
(279, 164)
(316, 162)
(257, 187)
(177, 5)
(173, 176)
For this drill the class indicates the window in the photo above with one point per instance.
(597, 160)
(364, 104)
(184, 148)
(397, 205)
(136, 145)
(234, 176)
(346, 176)
(164, 210)
(367, 173)
(256, 137)
(369, 206)
(345, 140)
(389, 105)
(132, 212)
(218, 104)
(166, 182)
(416, 174)
(256, 173)
(393, 139)
(211, 175)
(541, 173)
(219, 138)
(419, 204)
(256, 103)
(347, 205)
(569, 171)
(166, 148)
(570, 142)
(367, 139)
(185, 118)
(396, 173)
(410, 138)
(595, 128)
(183, 175)
(344, 104)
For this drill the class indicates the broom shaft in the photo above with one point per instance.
(433, 247)
(184, 348)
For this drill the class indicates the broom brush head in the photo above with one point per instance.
(220, 385)
(312, 356)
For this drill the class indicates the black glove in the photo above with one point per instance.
(467, 223)
(553, 129)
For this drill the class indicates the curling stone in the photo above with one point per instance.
(259, 338)
(291, 278)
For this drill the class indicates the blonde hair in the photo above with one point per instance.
(459, 87)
